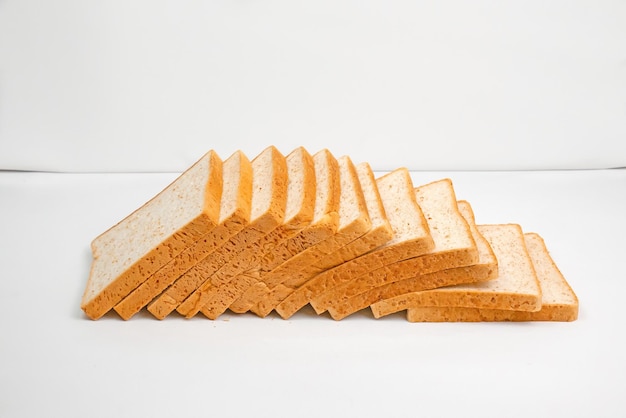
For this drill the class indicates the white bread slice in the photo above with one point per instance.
(138, 246)
(269, 198)
(558, 300)
(290, 299)
(486, 268)
(454, 247)
(324, 224)
(411, 236)
(354, 222)
(235, 209)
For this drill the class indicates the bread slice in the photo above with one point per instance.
(324, 224)
(235, 208)
(354, 222)
(138, 246)
(516, 286)
(411, 237)
(454, 247)
(485, 269)
(269, 198)
(218, 286)
(290, 299)
(558, 300)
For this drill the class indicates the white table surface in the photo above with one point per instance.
(56, 362)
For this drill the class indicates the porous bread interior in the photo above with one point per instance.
(556, 290)
(396, 191)
(262, 187)
(295, 184)
(351, 205)
(230, 190)
(324, 185)
(515, 267)
(370, 191)
(448, 228)
(169, 211)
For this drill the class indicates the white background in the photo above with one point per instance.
(137, 86)
(151, 85)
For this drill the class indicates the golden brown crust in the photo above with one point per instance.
(560, 313)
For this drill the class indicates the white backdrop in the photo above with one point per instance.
(437, 86)
(146, 85)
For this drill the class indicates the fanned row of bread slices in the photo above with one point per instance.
(278, 233)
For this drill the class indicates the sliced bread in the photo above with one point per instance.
(558, 302)
(324, 224)
(454, 247)
(138, 246)
(235, 208)
(516, 286)
(381, 232)
(298, 204)
(354, 222)
(269, 197)
(267, 209)
(393, 296)
(411, 237)
(485, 269)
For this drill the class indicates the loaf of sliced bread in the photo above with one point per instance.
(515, 288)
(278, 233)
(234, 215)
(486, 268)
(354, 222)
(324, 225)
(290, 299)
(138, 246)
(454, 247)
(558, 300)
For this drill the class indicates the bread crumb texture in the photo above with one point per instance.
(278, 232)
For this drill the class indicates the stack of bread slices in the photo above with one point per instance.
(277, 233)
